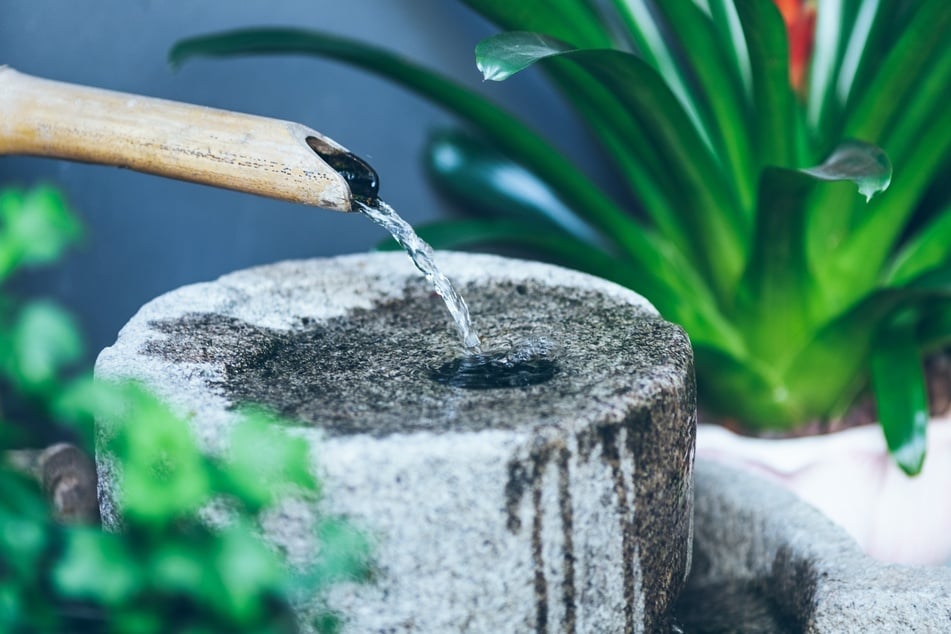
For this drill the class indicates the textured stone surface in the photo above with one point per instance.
(757, 544)
(563, 506)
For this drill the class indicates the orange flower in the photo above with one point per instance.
(800, 19)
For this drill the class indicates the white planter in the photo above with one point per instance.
(849, 476)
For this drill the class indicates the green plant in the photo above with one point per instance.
(795, 291)
(165, 571)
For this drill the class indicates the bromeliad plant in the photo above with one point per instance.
(796, 291)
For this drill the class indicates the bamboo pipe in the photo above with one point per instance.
(247, 153)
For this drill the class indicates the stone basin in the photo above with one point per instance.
(563, 506)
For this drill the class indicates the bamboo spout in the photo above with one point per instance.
(257, 155)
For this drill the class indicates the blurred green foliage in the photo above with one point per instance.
(165, 571)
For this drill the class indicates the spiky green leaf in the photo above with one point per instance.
(898, 382)
(776, 120)
(501, 56)
(569, 20)
(716, 238)
(479, 177)
(928, 248)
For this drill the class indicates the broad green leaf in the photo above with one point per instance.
(82, 400)
(19, 497)
(35, 227)
(26, 534)
(501, 56)
(44, 340)
(862, 163)
(836, 215)
(774, 106)
(11, 605)
(475, 175)
(780, 306)
(898, 383)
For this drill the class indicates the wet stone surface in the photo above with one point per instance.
(372, 372)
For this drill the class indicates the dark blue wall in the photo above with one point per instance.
(147, 235)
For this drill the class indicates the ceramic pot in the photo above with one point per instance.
(849, 476)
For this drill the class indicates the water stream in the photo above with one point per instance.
(424, 259)
(519, 364)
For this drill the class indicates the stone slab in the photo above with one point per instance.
(764, 561)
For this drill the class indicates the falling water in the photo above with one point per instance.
(423, 257)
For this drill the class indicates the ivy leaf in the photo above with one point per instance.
(263, 459)
(249, 569)
(862, 163)
(176, 568)
(165, 475)
(344, 553)
(43, 340)
(97, 566)
(501, 56)
(35, 227)
(22, 539)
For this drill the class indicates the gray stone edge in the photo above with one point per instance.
(749, 529)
